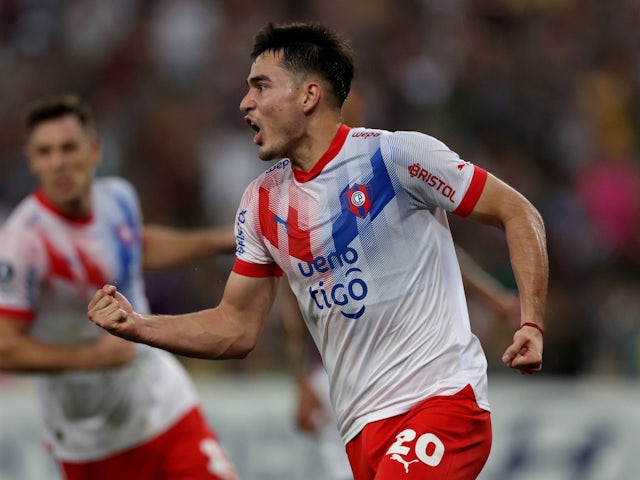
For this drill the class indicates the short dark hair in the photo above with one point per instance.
(56, 106)
(310, 48)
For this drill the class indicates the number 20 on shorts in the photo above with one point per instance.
(428, 448)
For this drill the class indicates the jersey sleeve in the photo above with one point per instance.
(21, 270)
(433, 175)
(253, 259)
(126, 195)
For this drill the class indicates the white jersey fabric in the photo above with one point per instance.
(365, 243)
(50, 267)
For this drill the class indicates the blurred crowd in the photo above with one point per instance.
(543, 93)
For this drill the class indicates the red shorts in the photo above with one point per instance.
(442, 438)
(188, 450)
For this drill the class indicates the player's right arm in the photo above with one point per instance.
(502, 206)
(167, 247)
(230, 330)
(21, 353)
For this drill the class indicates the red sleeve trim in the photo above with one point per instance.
(257, 270)
(469, 201)
(16, 314)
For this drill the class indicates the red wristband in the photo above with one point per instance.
(534, 325)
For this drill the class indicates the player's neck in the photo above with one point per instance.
(76, 208)
(315, 143)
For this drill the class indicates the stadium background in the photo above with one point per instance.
(544, 93)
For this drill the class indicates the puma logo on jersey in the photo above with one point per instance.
(282, 222)
(404, 463)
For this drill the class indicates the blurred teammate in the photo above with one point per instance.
(111, 409)
(357, 220)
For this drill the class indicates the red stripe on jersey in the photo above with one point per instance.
(299, 241)
(469, 201)
(59, 265)
(95, 276)
(268, 223)
(16, 314)
(256, 270)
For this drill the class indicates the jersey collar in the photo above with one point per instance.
(48, 204)
(336, 144)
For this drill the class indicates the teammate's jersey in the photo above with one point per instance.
(365, 243)
(50, 267)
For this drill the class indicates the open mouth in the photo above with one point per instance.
(256, 128)
(252, 125)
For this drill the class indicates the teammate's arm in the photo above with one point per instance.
(502, 206)
(286, 307)
(166, 247)
(309, 407)
(231, 330)
(20, 353)
(504, 303)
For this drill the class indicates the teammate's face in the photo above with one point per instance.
(63, 156)
(273, 108)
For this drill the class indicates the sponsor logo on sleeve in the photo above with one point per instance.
(434, 182)
(240, 238)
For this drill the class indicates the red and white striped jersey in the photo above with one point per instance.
(365, 243)
(50, 267)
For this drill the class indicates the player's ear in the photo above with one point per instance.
(311, 94)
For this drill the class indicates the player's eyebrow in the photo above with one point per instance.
(257, 79)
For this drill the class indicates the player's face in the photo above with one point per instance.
(63, 156)
(273, 108)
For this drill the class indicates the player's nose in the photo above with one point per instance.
(247, 103)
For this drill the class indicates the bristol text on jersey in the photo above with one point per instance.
(430, 179)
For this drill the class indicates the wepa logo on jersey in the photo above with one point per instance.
(357, 199)
(279, 166)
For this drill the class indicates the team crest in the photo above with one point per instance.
(358, 198)
(125, 233)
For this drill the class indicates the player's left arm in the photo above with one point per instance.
(167, 247)
(502, 206)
